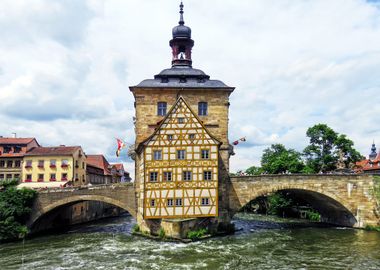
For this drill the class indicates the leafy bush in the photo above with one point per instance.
(15, 207)
(193, 235)
(161, 233)
(278, 203)
(373, 228)
(135, 228)
(313, 216)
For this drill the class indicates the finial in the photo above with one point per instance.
(181, 21)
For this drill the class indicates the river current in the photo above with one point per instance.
(262, 243)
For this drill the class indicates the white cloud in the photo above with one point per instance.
(65, 68)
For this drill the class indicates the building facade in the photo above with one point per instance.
(370, 165)
(98, 170)
(12, 151)
(54, 167)
(180, 113)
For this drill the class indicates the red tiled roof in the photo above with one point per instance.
(53, 151)
(16, 140)
(369, 165)
(119, 166)
(98, 161)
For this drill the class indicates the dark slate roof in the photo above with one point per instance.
(182, 77)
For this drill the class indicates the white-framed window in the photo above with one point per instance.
(157, 155)
(9, 176)
(40, 177)
(9, 163)
(161, 108)
(191, 136)
(65, 163)
(153, 203)
(202, 108)
(2, 163)
(28, 164)
(28, 177)
(168, 176)
(1, 176)
(153, 177)
(170, 137)
(187, 176)
(53, 163)
(169, 202)
(18, 163)
(64, 177)
(205, 154)
(205, 201)
(181, 154)
(207, 175)
(40, 163)
(178, 202)
(17, 176)
(52, 177)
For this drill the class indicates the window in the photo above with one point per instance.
(169, 202)
(17, 149)
(181, 120)
(28, 164)
(28, 178)
(40, 178)
(76, 164)
(7, 149)
(18, 163)
(10, 163)
(178, 202)
(2, 163)
(207, 175)
(52, 177)
(64, 177)
(181, 154)
(157, 155)
(186, 176)
(1, 177)
(53, 163)
(191, 136)
(153, 203)
(65, 163)
(205, 154)
(202, 108)
(83, 165)
(17, 176)
(9, 177)
(170, 137)
(153, 176)
(168, 176)
(40, 164)
(161, 108)
(205, 201)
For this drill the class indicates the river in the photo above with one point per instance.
(262, 243)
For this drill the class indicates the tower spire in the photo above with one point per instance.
(181, 21)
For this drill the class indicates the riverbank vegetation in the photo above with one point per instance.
(327, 151)
(15, 207)
(282, 205)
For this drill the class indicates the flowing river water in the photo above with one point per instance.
(262, 243)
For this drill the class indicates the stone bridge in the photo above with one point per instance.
(346, 200)
(121, 195)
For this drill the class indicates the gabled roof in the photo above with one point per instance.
(98, 161)
(53, 151)
(16, 140)
(162, 122)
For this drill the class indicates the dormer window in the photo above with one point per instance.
(181, 120)
(161, 108)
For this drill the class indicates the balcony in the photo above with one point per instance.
(53, 166)
(40, 180)
(52, 180)
(28, 166)
(65, 166)
(41, 166)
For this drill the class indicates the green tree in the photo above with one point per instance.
(15, 207)
(253, 170)
(327, 148)
(277, 159)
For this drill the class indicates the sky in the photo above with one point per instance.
(65, 68)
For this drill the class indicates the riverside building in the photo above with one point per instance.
(182, 147)
(12, 151)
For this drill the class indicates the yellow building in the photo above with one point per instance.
(54, 167)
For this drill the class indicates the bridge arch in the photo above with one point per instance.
(330, 200)
(41, 209)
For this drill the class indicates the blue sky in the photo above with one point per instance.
(65, 68)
